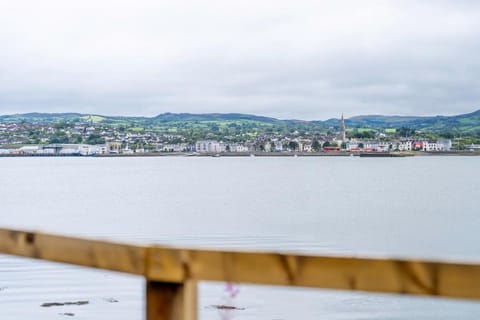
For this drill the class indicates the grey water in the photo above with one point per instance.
(422, 207)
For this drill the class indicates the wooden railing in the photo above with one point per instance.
(172, 273)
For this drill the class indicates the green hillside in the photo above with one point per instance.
(464, 124)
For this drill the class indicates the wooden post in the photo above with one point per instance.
(171, 301)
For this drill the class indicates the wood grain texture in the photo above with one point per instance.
(89, 253)
(178, 266)
(171, 301)
(433, 278)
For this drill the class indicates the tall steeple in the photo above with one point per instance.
(342, 129)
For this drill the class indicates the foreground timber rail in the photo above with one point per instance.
(171, 274)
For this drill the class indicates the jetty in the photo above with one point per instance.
(386, 154)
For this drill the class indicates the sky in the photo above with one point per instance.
(286, 59)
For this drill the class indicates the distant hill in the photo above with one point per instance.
(465, 123)
(40, 117)
(164, 117)
(212, 117)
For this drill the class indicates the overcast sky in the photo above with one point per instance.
(286, 59)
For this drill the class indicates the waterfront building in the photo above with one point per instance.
(370, 145)
(178, 147)
(384, 146)
(446, 144)
(268, 147)
(307, 147)
(209, 146)
(278, 146)
(113, 147)
(72, 149)
(417, 145)
(473, 147)
(238, 147)
(436, 146)
(405, 145)
(352, 146)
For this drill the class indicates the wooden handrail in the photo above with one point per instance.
(172, 273)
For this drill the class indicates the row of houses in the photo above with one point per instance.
(213, 146)
(407, 145)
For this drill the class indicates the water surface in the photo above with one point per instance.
(422, 207)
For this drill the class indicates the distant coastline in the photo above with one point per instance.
(252, 154)
(234, 135)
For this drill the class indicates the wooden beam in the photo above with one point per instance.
(89, 253)
(171, 301)
(416, 277)
(171, 265)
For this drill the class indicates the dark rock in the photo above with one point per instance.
(58, 304)
(225, 307)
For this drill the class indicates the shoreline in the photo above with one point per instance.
(257, 154)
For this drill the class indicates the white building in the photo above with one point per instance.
(278, 146)
(473, 147)
(178, 147)
(352, 145)
(384, 146)
(405, 145)
(209, 146)
(370, 145)
(307, 147)
(446, 144)
(237, 147)
(74, 149)
(46, 151)
(268, 147)
(434, 146)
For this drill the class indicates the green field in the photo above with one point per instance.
(94, 119)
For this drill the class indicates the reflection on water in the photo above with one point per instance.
(28, 284)
(419, 207)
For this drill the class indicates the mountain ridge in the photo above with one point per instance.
(460, 122)
(226, 116)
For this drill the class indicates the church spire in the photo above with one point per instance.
(342, 129)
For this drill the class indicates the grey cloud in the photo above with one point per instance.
(310, 60)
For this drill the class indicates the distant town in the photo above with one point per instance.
(91, 137)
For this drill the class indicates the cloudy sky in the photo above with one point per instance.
(288, 59)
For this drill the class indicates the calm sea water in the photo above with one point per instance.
(423, 207)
